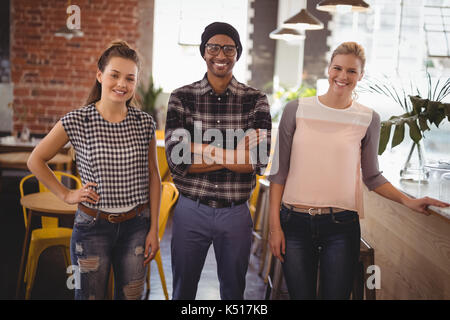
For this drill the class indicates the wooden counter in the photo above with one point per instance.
(411, 249)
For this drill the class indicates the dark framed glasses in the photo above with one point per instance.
(214, 49)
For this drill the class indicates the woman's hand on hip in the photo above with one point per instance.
(277, 244)
(85, 194)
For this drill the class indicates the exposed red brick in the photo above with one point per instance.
(52, 75)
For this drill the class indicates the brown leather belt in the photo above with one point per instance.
(313, 211)
(113, 217)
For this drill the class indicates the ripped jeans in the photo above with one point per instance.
(97, 244)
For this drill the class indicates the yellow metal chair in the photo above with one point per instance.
(254, 197)
(169, 197)
(47, 236)
(162, 160)
(159, 134)
(162, 164)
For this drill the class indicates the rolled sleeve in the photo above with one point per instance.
(263, 121)
(177, 139)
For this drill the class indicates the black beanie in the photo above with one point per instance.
(220, 28)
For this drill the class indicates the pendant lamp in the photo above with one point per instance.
(303, 21)
(343, 6)
(286, 34)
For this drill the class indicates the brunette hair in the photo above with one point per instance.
(351, 48)
(117, 48)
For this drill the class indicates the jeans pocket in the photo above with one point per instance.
(284, 216)
(145, 213)
(345, 217)
(83, 220)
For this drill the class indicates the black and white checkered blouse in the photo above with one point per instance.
(113, 155)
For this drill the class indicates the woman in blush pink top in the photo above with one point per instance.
(326, 148)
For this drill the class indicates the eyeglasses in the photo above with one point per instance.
(214, 49)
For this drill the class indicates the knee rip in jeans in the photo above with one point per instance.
(89, 264)
(139, 250)
(134, 289)
(78, 248)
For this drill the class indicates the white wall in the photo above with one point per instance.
(289, 55)
(176, 21)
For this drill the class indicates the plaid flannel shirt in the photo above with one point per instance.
(239, 107)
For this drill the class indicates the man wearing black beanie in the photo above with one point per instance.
(215, 178)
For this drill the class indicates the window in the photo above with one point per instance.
(5, 70)
(437, 29)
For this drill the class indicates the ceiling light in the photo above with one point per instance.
(303, 21)
(343, 6)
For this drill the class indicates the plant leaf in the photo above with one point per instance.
(434, 114)
(418, 103)
(423, 123)
(399, 134)
(446, 107)
(385, 133)
(414, 131)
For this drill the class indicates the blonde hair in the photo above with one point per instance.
(351, 48)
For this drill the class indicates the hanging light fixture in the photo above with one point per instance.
(303, 21)
(287, 34)
(70, 30)
(68, 33)
(343, 6)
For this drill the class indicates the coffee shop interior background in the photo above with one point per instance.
(44, 75)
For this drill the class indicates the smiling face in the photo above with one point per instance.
(220, 65)
(344, 72)
(118, 80)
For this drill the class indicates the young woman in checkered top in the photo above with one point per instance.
(116, 223)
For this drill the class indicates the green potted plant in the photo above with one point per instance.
(147, 97)
(421, 111)
(285, 95)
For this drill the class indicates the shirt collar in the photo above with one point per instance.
(205, 86)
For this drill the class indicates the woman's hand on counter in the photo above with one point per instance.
(421, 204)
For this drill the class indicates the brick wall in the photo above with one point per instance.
(52, 75)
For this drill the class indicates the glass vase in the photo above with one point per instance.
(414, 168)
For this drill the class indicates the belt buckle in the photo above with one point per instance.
(214, 204)
(111, 216)
(311, 213)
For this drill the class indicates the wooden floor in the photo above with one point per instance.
(51, 275)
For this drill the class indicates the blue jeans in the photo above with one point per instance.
(195, 227)
(97, 244)
(329, 243)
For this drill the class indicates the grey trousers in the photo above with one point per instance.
(195, 227)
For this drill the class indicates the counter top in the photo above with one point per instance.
(391, 163)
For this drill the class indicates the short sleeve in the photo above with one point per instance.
(150, 125)
(72, 123)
